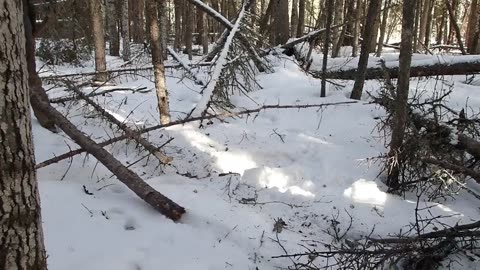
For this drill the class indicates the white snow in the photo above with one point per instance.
(303, 166)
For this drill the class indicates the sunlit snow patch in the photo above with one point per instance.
(279, 178)
(364, 191)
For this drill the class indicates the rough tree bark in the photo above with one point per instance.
(177, 44)
(123, 4)
(34, 81)
(294, 19)
(98, 39)
(113, 15)
(400, 112)
(356, 27)
(188, 27)
(337, 19)
(138, 22)
(281, 22)
(472, 25)
(373, 9)
(301, 18)
(202, 30)
(157, 61)
(21, 241)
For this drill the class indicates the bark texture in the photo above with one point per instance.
(98, 33)
(157, 61)
(34, 81)
(21, 237)
(301, 18)
(400, 114)
(368, 35)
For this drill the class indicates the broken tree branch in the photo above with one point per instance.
(192, 119)
(185, 66)
(155, 151)
(147, 193)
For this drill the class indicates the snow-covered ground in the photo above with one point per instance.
(304, 166)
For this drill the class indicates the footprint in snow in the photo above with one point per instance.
(130, 224)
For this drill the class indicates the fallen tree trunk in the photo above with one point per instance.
(151, 196)
(155, 151)
(460, 68)
(121, 70)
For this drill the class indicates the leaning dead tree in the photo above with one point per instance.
(218, 69)
(244, 40)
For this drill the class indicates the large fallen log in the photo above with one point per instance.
(459, 68)
(151, 196)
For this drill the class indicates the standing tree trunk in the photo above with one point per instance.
(383, 27)
(157, 60)
(294, 19)
(21, 241)
(34, 81)
(301, 18)
(472, 25)
(368, 34)
(163, 21)
(178, 25)
(400, 112)
(202, 30)
(123, 5)
(423, 22)
(453, 22)
(330, 10)
(99, 40)
(138, 22)
(188, 26)
(338, 19)
(113, 15)
(356, 30)
(281, 22)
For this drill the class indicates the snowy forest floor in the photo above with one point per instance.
(235, 177)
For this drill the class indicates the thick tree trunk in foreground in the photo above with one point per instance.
(400, 112)
(151, 196)
(99, 39)
(21, 237)
(157, 61)
(368, 35)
